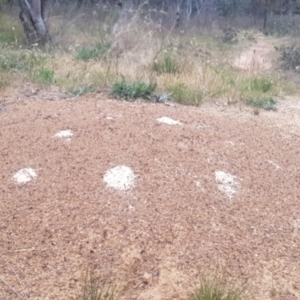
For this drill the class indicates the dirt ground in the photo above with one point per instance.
(177, 224)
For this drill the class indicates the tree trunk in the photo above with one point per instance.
(32, 18)
(266, 9)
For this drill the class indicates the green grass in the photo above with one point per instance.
(130, 91)
(45, 75)
(260, 84)
(213, 290)
(166, 62)
(181, 93)
(11, 30)
(86, 54)
(20, 61)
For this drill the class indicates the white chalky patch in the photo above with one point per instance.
(63, 134)
(120, 178)
(274, 164)
(112, 117)
(297, 224)
(226, 183)
(24, 175)
(168, 121)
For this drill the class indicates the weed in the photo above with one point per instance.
(211, 290)
(138, 89)
(80, 90)
(183, 94)
(45, 75)
(166, 63)
(93, 289)
(265, 103)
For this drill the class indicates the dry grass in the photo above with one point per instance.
(84, 53)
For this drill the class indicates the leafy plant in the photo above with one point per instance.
(166, 63)
(93, 289)
(210, 290)
(265, 103)
(138, 89)
(181, 93)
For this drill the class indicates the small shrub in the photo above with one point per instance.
(181, 93)
(45, 75)
(138, 89)
(80, 90)
(265, 103)
(93, 289)
(210, 290)
(93, 53)
(229, 36)
(166, 63)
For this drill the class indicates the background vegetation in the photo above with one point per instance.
(149, 49)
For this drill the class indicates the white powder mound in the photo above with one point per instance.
(120, 178)
(63, 134)
(227, 183)
(24, 175)
(168, 121)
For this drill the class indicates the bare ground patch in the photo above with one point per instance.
(158, 239)
(258, 58)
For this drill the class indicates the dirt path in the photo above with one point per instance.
(258, 58)
(218, 192)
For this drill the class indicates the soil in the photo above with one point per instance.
(176, 225)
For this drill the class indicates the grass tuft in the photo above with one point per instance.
(93, 289)
(86, 54)
(211, 290)
(130, 91)
(45, 75)
(260, 84)
(181, 93)
(166, 63)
